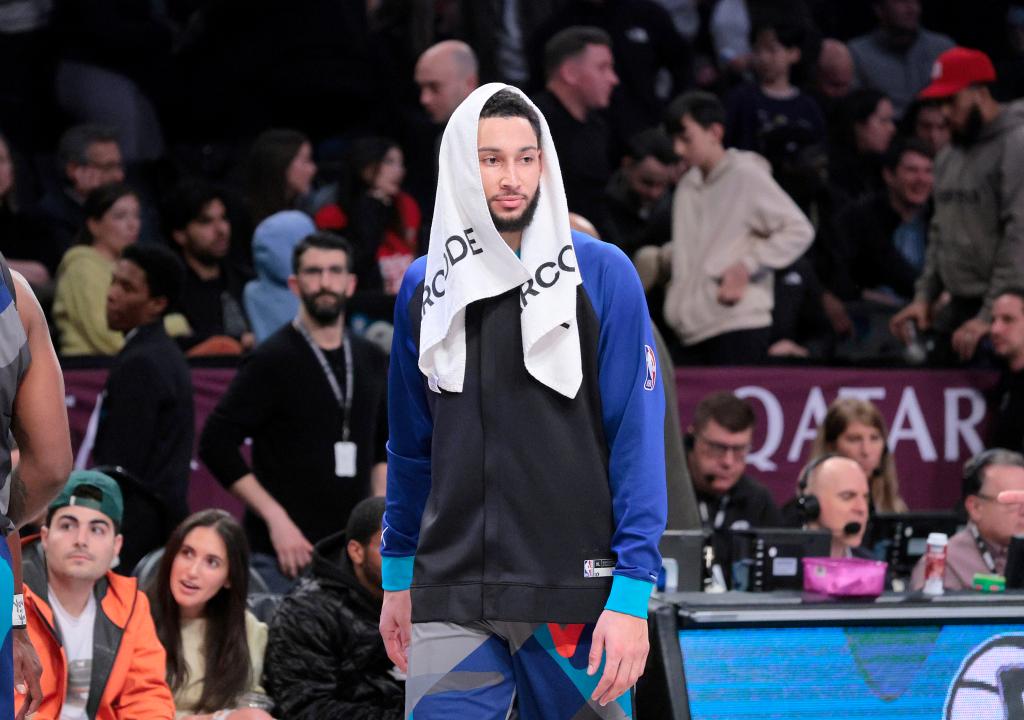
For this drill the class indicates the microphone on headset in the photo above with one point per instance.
(852, 528)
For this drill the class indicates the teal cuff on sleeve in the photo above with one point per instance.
(629, 596)
(396, 572)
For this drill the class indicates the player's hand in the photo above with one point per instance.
(623, 641)
(733, 284)
(27, 671)
(293, 550)
(1011, 497)
(396, 627)
(916, 311)
(967, 337)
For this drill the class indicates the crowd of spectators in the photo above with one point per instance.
(802, 181)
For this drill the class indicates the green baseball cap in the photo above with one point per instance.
(82, 488)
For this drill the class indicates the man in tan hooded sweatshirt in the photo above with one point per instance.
(732, 226)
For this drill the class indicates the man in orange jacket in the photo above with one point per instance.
(92, 629)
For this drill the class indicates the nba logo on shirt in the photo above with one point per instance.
(652, 368)
(588, 569)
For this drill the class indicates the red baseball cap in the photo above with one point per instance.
(956, 69)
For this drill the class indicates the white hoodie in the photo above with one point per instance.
(737, 213)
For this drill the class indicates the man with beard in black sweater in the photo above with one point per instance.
(313, 399)
(325, 657)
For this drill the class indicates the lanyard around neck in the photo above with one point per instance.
(986, 556)
(344, 401)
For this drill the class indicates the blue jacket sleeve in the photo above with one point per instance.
(409, 439)
(633, 407)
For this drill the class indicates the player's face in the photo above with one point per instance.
(510, 170)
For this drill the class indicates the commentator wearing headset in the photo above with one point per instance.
(832, 494)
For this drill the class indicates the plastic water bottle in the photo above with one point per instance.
(935, 563)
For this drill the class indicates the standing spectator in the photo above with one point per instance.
(580, 74)
(754, 110)
(373, 213)
(855, 429)
(446, 73)
(880, 240)
(211, 297)
(638, 198)
(92, 628)
(325, 657)
(215, 646)
(731, 226)
(926, 121)
(652, 60)
(83, 277)
(500, 32)
(1007, 335)
(146, 414)
(833, 78)
(897, 58)
(863, 133)
(976, 238)
(269, 303)
(312, 398)
(88, 156)
(29, 249)
(983, 546)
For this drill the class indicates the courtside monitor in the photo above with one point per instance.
(900, 539)
(767, 559)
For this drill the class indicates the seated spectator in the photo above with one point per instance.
(92, 629)
(214, 645)
(756, 109)
(982, 546)
(833, 495)
(1007, 336)
(878, 247)
(269, 303)
(325, 656)
(855, 429)
(26, 245)
(83, 277)
(371, 211)
(88, 156)
(926, 121)
(717, 442)
(833, 78)
(146, 417)
(580, 75)
(732, 225)
(861, 136)
(898, 56)
(977, 230)
(211, 297)
(279, 172)
(638, 198)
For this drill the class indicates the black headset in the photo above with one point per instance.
(808, 505)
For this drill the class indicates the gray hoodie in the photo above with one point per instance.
(976, 240)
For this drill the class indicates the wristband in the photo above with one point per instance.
(18, 619)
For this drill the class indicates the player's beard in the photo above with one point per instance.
(521, 221)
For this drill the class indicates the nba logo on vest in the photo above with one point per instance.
(652, 368)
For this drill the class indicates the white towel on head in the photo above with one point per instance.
(468, 261)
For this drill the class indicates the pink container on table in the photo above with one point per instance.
(844, 577)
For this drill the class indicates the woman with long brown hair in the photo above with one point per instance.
(855, 429)
(214, 645)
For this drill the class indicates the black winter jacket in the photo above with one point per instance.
(325, 658)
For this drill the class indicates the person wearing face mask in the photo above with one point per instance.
(832, 494)
(313, 399)
(92, 628)
(214, 645)
(977, 230)
(993, 492)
